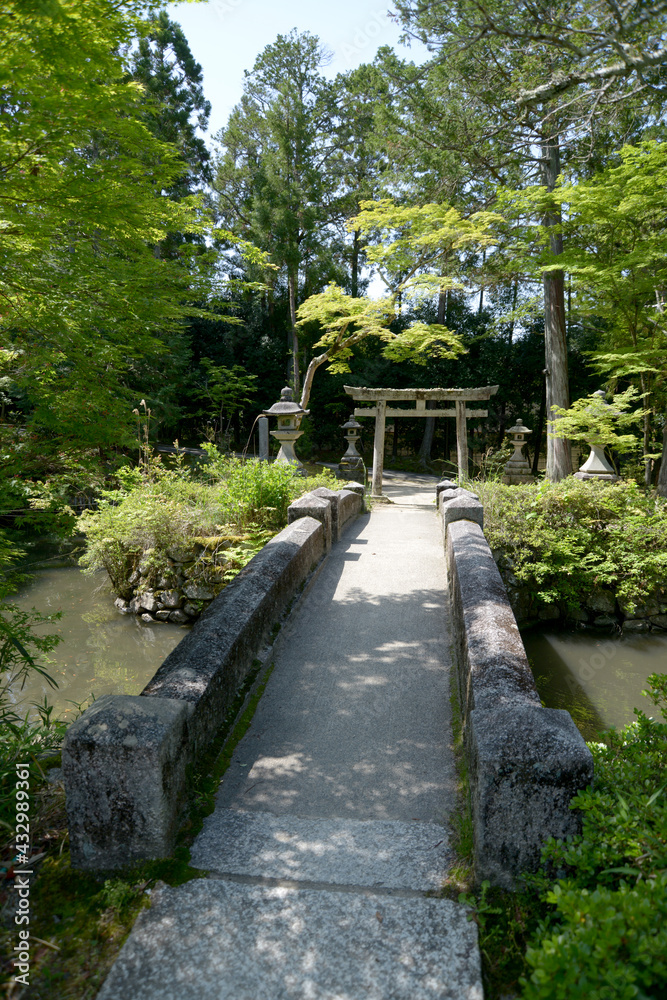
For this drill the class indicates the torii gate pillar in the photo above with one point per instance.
(462, 439)
(378, 448)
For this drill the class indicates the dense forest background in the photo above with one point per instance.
(511, 193)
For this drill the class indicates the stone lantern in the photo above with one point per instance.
(517, 471)
(596, 465)
(289, 416)
(351, 465)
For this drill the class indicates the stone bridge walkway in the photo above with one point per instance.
(331, 823)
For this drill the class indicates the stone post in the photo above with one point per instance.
(289, 416)
(351, 465)
(461, 439)
(596, 465)
(263, 427)
(517, 470)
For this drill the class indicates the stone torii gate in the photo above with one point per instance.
(380, 411)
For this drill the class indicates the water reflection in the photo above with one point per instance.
(102, 652)
(597, 678)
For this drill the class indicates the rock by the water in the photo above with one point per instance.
(146, 562)
(635, 625)
(198, 593)
(171, 599)
(603, 601)
(148, 600)
(178, 618)
(179, 555)
(646, 610)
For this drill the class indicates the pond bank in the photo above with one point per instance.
(602, 609)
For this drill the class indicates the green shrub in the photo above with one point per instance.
(259, 493)
(564, 540)
(608, 934)
(593, 923)
(610, 944)
(624, 814)
(220, 514)
(39, 485)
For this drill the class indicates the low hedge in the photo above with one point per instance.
(592, 925)
(566, 540)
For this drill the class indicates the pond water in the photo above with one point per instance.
(598, 678)
(102, 652)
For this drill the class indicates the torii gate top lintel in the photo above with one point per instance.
(381, 396)
(362, 393)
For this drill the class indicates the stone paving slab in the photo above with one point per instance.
(378, 853)
(215, 940)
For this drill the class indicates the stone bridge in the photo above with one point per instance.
(331, 838)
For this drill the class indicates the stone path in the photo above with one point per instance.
(331, 822)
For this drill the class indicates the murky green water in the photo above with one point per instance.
(597, 678)
(102, 652)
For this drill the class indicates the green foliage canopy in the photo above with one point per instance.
(422, 247)
(346, 320)
(83, 292)
(82, 203)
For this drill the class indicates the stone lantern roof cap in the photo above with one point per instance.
(519, 428)
(351, 423)
(286, 407)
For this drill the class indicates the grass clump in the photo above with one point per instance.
(460, 873)
(565, 540)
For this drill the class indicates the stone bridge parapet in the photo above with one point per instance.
(127, 761)
(525, 762)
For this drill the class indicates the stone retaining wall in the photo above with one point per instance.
(602, 609)
(525, 762)
(177, 585)
(126, 760)
(191, 576)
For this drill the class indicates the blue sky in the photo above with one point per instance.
(226, 36)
